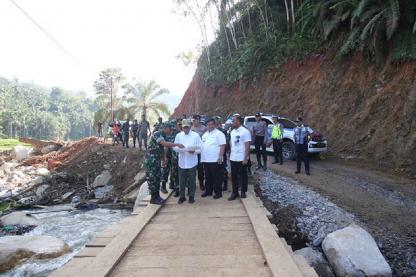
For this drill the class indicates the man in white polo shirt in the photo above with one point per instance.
(240, 150)
(188, 160)
(213, 147)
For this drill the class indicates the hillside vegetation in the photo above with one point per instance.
(255, 35)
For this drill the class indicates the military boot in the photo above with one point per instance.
(176, 193)
(163, 188)
(154, 199)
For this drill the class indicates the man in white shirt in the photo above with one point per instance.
(213, 147)
(240, 150)
(188, 160)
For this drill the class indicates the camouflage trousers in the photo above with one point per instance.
(174, 170)
(153, 175)
(167, 168)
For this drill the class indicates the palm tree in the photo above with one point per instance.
(144, 99)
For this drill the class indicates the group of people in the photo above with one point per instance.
(183, 150)
(121, 132)
(187, 150)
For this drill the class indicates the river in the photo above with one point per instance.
(76, 228)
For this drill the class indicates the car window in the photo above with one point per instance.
(267, 121)
(287, 123)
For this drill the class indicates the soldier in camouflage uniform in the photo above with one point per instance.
(153, 161)
(168, 157)
(157, 126)
(174, 171)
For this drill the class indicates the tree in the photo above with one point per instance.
(106, 88)
(143, 98)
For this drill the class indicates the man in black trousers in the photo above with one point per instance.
(212, 157)
(260, 136)
(301, 134)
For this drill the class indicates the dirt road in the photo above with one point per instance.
(385, 203)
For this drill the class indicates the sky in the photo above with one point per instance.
(140, 36)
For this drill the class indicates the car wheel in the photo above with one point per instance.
(288, 150)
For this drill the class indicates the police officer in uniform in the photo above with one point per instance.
(153, 161)
(301, 134)
(277, 136)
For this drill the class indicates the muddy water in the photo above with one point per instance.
(75, 228)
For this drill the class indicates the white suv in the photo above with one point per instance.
(317, 144)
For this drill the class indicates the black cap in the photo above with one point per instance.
(196, 116)
(258, 114)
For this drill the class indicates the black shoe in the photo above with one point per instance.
(191, 200)
(205, 194)
(163, 188)
(181, 200)
(217, 196)
(281, 163)
(308, 173)
(243, 195)
(232, 197)
(297, 172)
(156, 200)
(176, 193)
(275, 162)
(258, 167)
(160, 198)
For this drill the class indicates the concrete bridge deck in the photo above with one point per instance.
(207, 238)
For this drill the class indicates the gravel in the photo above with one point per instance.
(316, 216)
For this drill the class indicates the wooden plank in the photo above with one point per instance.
(278, 258)
(99, 242)
(88, 252)
(108, 258)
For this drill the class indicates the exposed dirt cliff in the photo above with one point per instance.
(366, 113)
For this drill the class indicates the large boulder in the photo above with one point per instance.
(102, 179)
(19, 218)
(316, 260)
(21, 153)
(49, 148)
(352, 251)
(16, 249)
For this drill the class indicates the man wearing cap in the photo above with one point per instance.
(212, 157)
(200, 129)
(143, 131)
(153, 161)
(260, 137)
(240, 151)
(188, 160)
(277, 136)
(167, 167)
(301, 135)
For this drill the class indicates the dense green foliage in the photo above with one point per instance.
(7, 144)
(129, 101)
(28, 110)
(253, 35)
